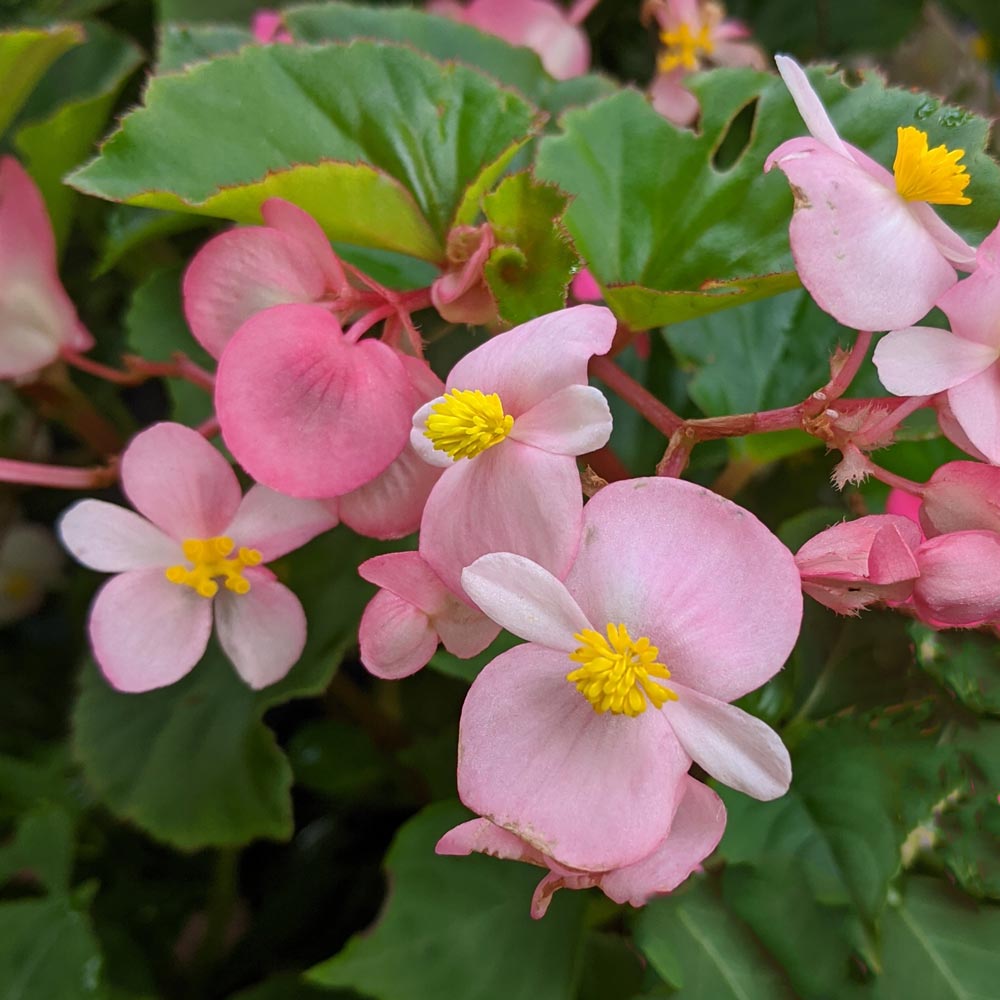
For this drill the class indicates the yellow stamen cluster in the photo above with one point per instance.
(466, 422)
(615, 672)
(684, 47)
(209, 560)
(931, 175)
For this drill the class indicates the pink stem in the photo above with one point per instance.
(891, 479)
(358, 329)
(892, 420)
(59, 477)
(208, 428)
(844, 376)
(638, 397)
(95, 368)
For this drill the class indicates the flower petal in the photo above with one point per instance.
(298, 224)
(146, 632)
(959, 583)
(575, 420)
(590, 790)
(174, 477)
(809, 105)
(975, 404)
(275, 524)
(397, 639)
(921, 360)
(733, 746)
(962, 496)
(972, 307)
(112, 539)
(672, 99)
(525, 599)
(263, 632)
(407, 575)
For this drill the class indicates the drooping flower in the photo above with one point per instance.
(695, 831)
(515, 414)
(37, 318)
(461, 294)
(30, 564)
(197, 550)
(867, 244)
(964, 363)
(577, 741)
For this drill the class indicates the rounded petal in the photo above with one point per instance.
(408, 576)
(306, 412)
(952, 430)
(959, 583)
(396, 637)
(146, 632)
(921, 360)
(574, 421)
(672, 99)
(174, 477)
(298, 224)
(733, 746)
(112, 539)
(535, 360)
(511, 498)
(483, 837)
(275, 524)
(243, 272)
(263, 632)
(962, 496)
(972, 307)
(700, 577)
(464, 631)
(525, 599)
(975, 404)
(859, 250)
(421, 444)
(590, 790)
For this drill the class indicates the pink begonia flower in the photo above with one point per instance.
(867, 244)
(269, 26)
(516, 413)
(965, 363)
(251, 268)
(961, 496)
(857, 563)
(904, 504)
(307, 411)
(697, 828)
(198, 547)
(557, 743)
(959, 582)
(403, 623)
(461, 294)
(694, 35)
(30, 564)
(541, 25)
(37, 318)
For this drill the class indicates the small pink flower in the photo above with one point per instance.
(578, 740)
(857, 563)
(198, 548)
(461, 294)
(867, 244)
(37, 318)
(695, 831)
(962, 496)
(269, 26)
(959, 583)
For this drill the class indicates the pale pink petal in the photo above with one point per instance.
(146, 632)
(809, 105)
(422, 445)
(973, 308)
(538, 358)
(408, 576)
(174, 477)
(306, 412)
(526, 600)
(952, 430)
(240, 273)
(396, 637)
(275, 524)
(672, 99)
(574, 421)
(464, 631)
(480, 836)
(962, 496)
(733, 52)
(670, 560)
(959, 582)
(976, 406)
(733, 746)
(922, 360)
(461, 294)
(263, 632)
(511, 498)
(591, 790)
(298, 224)
(112, 539)
(859, 250)
(951, 245)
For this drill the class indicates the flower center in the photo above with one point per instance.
(466, 422)
(684, 47)
(615, 672)
(931, 175)
(209, 560)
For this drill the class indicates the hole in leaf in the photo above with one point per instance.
(736, 138)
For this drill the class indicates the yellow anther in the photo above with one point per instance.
(931, 175)
(684, 47)
(466, 422)
(615, 672)
(209, 562)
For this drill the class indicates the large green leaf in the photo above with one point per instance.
(25, 55)
(193, 764)
(384, 158)
(673, 226)
(459, 927)
(966, 663)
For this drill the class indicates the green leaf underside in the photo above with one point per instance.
(384, 158)
(459, 926)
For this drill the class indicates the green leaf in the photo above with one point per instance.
(193, 764)
(42, 845)
(530, 270)
(430, 132)
(966, 663)
(25, 55)
(696, 943)
(467, 670)
(128, 228)
(459, 927)
(68, 112)
(184, 44)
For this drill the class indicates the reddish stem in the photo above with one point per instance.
(891, 479)
(59, 477)
(637, 396)
(892, 420)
